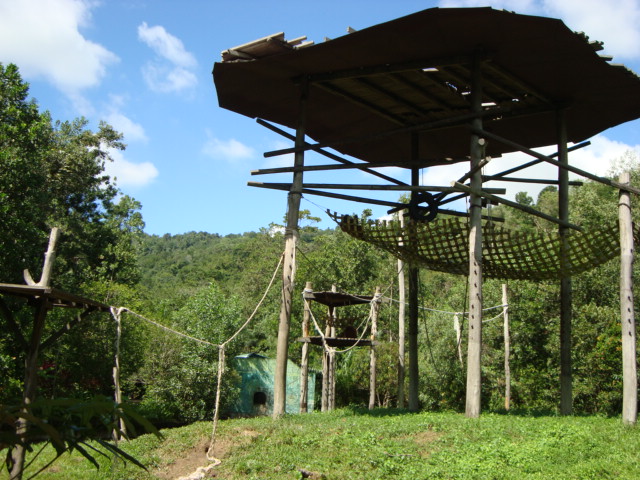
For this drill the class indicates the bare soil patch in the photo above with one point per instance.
(189, 460)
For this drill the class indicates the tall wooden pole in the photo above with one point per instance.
(289, 268)
(372, 360)
(507, 348)
(401, 327)
(332, 357)
(414, 375)
(474, 348)
(32, 355)
(627, 317)
(304, 361)
(566, 380)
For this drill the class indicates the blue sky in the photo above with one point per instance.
(145, 67)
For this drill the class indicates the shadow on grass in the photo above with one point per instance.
(359, 410)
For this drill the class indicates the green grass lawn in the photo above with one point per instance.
(357, 444)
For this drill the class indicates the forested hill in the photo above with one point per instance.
(186, 262)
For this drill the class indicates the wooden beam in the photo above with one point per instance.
(524, 208)
(488, 178)
(547, 159)
(341, 186)
(425, 92)
(304, 359)
(289, 265)
(507, 347)
(372, 354)
(474, 342)
(433, 125)
(536, 162)
(319, 150)
(414, 278)
(372, 107)
(321, 168)
(385, 69)
(566, 290)
(627, 315)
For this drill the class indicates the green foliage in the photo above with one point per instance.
(179, 375)
(52, 174)
(71, 425)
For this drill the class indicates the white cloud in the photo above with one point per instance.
(171, 70)
(166, 45)
(617, 24)
(598, 158)
(166, 79)
(129, 174)
(230, 150)
(131, 130)
(43, 38)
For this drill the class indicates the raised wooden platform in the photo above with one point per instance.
(338, 342)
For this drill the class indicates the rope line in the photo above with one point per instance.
(164, 327)
(116, 312)
(446, 311)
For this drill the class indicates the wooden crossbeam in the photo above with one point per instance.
(536, 162)
(386, 69)
(330, 155)
(516, 205)
(544, 158)
(400, 188)
(315, 168)
(488, 178)
(445, 122)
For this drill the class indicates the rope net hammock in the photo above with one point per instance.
(443, 245)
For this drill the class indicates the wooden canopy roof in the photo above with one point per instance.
(337, 299)
(371, 89)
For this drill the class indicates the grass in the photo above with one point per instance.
(358, 444)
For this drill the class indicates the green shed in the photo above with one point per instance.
(256, 386)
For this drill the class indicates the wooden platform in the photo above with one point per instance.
(338, 342)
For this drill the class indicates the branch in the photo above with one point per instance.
(11, 322)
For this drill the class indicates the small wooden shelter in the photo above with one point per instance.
(434, 88)
(329, 339)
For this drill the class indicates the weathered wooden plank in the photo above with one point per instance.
(627, 315)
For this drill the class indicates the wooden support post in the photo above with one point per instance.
(31, 360)
(414, 272)
(566, 379)
(289, 268)
(627, 316)
(375, 309)
(304, 361)
(474, 347)
(332, 357)
(117, 315)
(507, 348)
(401, 327)
(324, 400)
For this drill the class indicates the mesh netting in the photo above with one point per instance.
(443, 245)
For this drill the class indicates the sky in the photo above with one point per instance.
(144, 66)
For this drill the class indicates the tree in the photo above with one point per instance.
(53, 175)
(179, 374)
